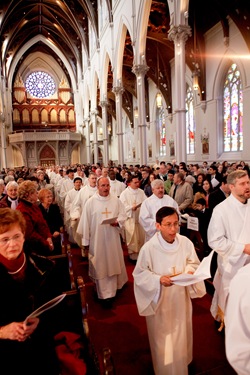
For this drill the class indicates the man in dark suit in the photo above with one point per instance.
(145, 178)
(218, 195)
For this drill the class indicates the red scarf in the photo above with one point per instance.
(16, 267)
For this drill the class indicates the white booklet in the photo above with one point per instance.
(48, 305)
(201, 273)
(109, 221)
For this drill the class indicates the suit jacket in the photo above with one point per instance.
(183, 196)
(215, 198)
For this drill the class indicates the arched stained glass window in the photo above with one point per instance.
(190, 123)
(40, 85)
(233, 111)
(161, 130)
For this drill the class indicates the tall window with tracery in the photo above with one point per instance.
(233, 111)
(161, 119)
(190, 123)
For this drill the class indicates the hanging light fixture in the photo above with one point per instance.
(158, 95)
(196, 71)
(136, 114)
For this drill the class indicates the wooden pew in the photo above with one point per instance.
(72, 315)
(104, 362)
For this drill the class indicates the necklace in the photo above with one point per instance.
(13, 273)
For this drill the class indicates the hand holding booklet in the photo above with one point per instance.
(48, 305)
(111, 220)
(201, 273)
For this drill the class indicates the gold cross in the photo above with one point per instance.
(106, 212)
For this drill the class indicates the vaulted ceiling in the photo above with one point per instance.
(65, 22)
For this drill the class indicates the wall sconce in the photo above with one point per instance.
(136, 114)
(109, 128)
(101, 131)
(159, 100)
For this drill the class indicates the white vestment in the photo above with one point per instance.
(65, 185)
(134, 232)
(237, 322)
(78, 204)
(116, 187)
(228, 232)
(69, 199)
(148, 211)
(168, 310)
(106, 260)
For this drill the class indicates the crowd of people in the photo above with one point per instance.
(101, 208)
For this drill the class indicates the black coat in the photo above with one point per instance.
(36, 355)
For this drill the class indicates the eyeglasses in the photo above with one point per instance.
(170, 225)
(5, 241)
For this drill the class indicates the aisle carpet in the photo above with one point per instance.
(124, 331)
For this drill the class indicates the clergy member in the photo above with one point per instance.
(103, 217)
(228, 234)
(132, 198)
(69, 199)
(237, 322)
(167, 307)
(77, 206)
(151, 205)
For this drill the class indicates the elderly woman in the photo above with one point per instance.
(25, 348)
(38, 238)
(51, 213)
(10, 200)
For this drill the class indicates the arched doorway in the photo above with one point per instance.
(47, 156)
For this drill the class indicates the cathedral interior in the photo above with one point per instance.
(93, 97)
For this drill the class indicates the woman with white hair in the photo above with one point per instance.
(10, 200)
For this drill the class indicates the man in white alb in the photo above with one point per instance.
(77, 206)
(167, 307)
(229, 235)
(116, 187)
(237, 322)
(152, 204)
(106, 261)
(132, 198)
(69, 199)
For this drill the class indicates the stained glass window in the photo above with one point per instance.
(161, 130)
(233, 111)
(190, 123)
(40, 85)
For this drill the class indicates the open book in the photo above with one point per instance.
(48, 305)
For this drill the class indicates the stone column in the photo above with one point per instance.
(88, 145)
(118, 90)
(94, 114)
(104, 105)
(179, 35)
(3, 140)
(140, 71)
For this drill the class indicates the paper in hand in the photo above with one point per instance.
(48, 305)
(201, 273)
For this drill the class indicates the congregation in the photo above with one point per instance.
(102, 208)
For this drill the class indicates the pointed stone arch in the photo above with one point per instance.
(47, 156)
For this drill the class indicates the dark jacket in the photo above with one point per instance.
(36, 355)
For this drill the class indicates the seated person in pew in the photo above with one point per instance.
(26, 283)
